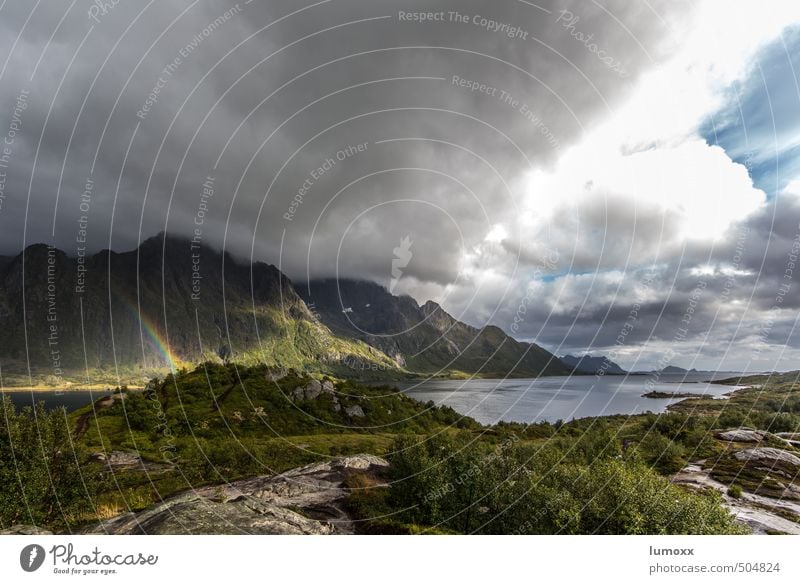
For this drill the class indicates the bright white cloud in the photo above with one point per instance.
(648, 151)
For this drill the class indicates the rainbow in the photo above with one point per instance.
(151, 336)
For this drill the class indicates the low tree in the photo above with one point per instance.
(44, 478)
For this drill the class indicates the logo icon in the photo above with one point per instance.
(402, 255)
(31, 557)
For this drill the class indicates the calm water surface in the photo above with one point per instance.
(560, 398)
(72, 399)
(513, 400)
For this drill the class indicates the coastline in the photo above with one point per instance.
(728, 395)
(67, 388)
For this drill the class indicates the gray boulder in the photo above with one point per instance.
(742, 435)
(306, 500)
(25, 530)
(791, 438)
(773, 460)
(354, 411)
(313, 390)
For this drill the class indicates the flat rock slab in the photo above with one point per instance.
(306, 500)
(25, 530)
(769, 455)
(742, 435)
(761, 514)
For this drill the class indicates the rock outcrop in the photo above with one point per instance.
(792, 438)
(761, 514)
(25, 530)
(354, 411)
(742, 435)
(772, 460)
(307, 500)
(313, 390)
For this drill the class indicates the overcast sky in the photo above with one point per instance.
(616, 177)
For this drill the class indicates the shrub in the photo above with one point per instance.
(44, 479)
(451, 483)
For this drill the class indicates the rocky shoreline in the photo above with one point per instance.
(757, 477)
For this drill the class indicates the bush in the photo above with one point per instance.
(44, 479)
(662, 453)
(451, 483)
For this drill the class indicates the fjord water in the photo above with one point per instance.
(70, 399)
(561, 398)
(512, 400)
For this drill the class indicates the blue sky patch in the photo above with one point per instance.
(759, 126)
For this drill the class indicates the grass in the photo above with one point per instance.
(225, 422)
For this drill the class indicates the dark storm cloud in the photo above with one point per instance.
(96, 88)
(332, 131)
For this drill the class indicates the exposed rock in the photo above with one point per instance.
(313, 390)
(771, 459)
(123, 459)
(761, 514)
(25, 530)
(306, 500)
(791, 438)
(276, 375)
(742, 435)
(354, 411)
(118, 460)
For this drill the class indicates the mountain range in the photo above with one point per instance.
(593, 365)
(173, 303)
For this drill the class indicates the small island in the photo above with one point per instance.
(671, 394)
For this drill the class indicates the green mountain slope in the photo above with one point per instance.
(145, 310)
(422, 338)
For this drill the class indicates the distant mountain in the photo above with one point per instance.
(165, 302)
(169, 303)
(422, 338)
(589, 364)
(677, 370)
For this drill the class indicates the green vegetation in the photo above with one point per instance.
(44, 479)
(454, 483)
(448, 474)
